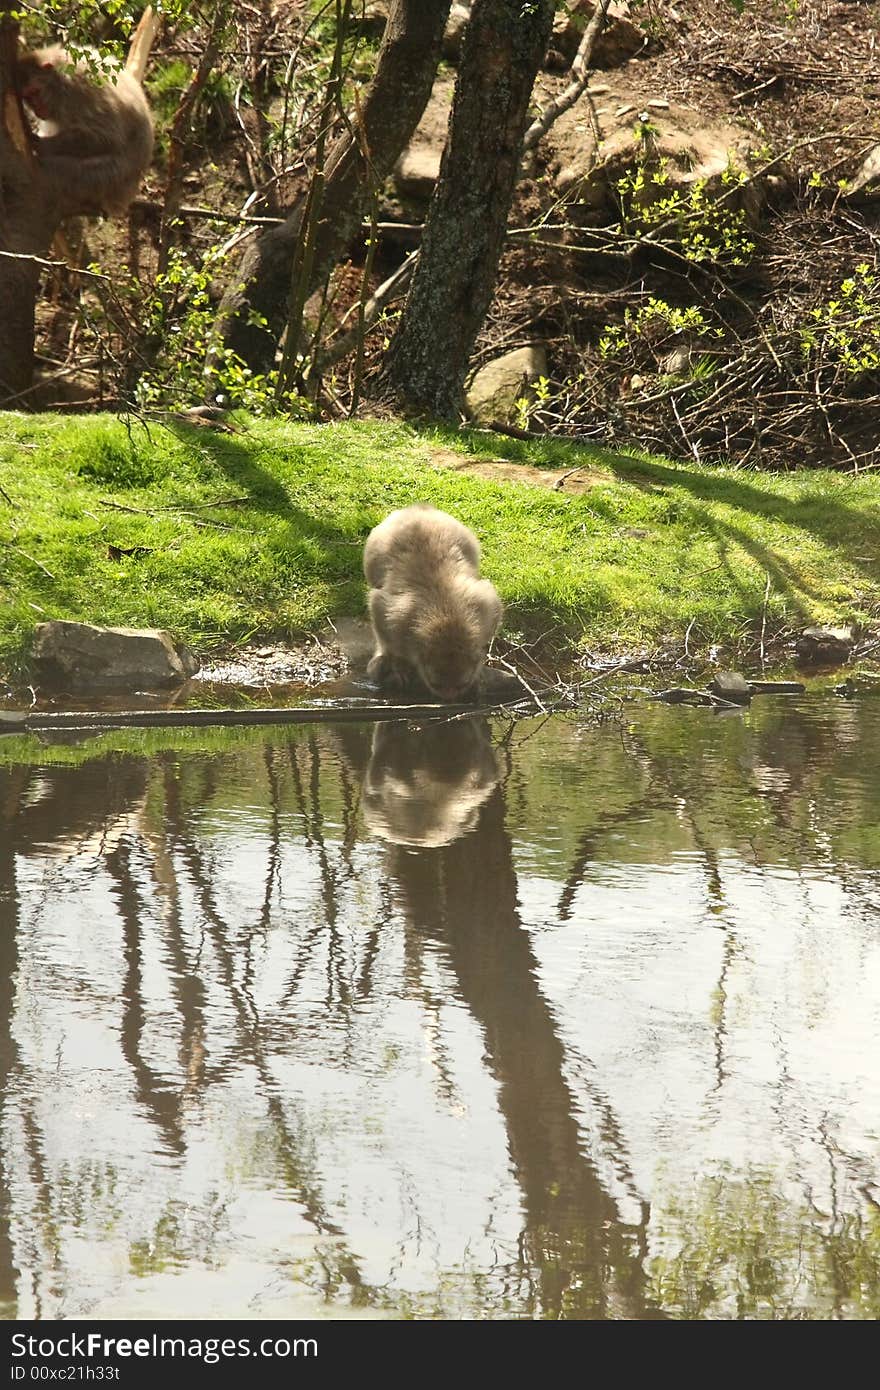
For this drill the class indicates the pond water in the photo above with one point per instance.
(553, 1019)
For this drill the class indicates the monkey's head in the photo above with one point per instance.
(44, 82)
(451, 647)
(425, 786)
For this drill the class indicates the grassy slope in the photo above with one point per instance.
(635, 559)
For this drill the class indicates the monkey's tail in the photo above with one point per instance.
(144, 36)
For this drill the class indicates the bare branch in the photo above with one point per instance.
(579, 73)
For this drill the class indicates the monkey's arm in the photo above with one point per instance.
(388, 667)
(144, 37)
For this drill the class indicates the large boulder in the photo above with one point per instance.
(78, 657)
(825, 646)
(495, 388)
(616, 129)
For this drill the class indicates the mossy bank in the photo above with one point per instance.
(258, 532)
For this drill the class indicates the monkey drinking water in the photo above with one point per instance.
(94, 135)
(433, 616)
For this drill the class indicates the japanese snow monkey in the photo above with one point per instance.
(93, 135)
(433, 616)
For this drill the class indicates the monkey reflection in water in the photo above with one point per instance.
(424, 785)
(433, 616)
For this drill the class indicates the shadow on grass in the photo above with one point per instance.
(271, 496)
(837, 525)
(236, 460)
(853, 530)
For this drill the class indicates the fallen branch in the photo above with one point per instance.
(351, 713)
(392, 288)
(17, 548)
(53, 265)
(178, 511)
(580, 75)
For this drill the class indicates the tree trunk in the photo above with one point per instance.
(27, 224)
(391, 109)
(504, 44)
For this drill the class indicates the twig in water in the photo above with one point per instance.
(514, 672)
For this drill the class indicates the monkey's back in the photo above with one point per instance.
(421, 548)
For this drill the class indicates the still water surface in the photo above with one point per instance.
(542, 1020)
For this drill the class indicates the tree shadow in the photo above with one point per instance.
(833, 523)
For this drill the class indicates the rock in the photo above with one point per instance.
(371, 20)
(619, 40)
(730, 685)
(415, 172)
(80, 657)
(690, 149)
(868, 176)
(495, 389)
(825, 646)
(454, 32)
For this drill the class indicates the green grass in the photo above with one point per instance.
(652, 548)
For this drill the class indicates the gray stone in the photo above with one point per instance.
(454, 32)
(416, 171)
(867, 179)
(597, 141)
(84, 658)
(495, 389)
(372, 19)
(825, 646)
(730, 685)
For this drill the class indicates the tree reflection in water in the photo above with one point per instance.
(452, 1020)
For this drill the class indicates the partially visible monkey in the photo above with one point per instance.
(432, 615)
(94, 137)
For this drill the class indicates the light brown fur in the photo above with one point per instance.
(426, 785)
(94, 137)
(433, 616)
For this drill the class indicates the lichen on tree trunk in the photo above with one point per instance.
(504, 44)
